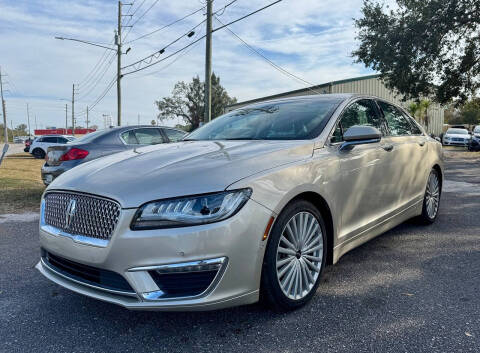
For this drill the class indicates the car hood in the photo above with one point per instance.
(184, 168)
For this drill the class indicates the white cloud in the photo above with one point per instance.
(310, 38)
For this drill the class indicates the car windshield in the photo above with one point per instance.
(287, 120)
(89, 137)
(457, 132)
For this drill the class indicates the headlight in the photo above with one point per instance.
(447, 137)
(190, 210)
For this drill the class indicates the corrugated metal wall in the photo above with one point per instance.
(371, 86)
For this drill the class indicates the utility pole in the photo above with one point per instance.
(36, 128)
(66, 119)
(118, 41)
(73, 110)
(87, 116)
(138, 119)
(5, 128)
(208, 66)
(11, 128)
(28, 120)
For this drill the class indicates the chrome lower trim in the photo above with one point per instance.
(157, 295)
(216, 261)
(46, 265)
(77, 238)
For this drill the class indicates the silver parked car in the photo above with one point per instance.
(61, 158)
(456, 137)
(258, 201)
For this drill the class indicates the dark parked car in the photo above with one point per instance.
(102, 143)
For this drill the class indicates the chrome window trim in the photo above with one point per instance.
(130, 294)
(156, 295)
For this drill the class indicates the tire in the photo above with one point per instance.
(304, 268)
(38, 153)
(433, 192)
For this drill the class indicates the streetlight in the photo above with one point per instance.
(119, 75)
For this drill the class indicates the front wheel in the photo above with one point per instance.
(295, 256)
(431, 200)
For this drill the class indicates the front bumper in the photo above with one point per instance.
(455, 143)
(132, 254)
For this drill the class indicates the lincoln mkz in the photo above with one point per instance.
(254, 204)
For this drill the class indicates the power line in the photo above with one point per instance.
(277, 67)
(179, 20)
(172, 62)
(140, 17)
(159, 52)
(104, 56)
(99, 99)
(95, 84)
(165, 26)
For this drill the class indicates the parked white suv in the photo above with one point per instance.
(39, 146)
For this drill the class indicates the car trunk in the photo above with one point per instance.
(54, 153)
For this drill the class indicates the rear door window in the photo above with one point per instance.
(149, 136)
(174, 135)
(397, 123)
(129, 137)
(362, 112)
(50, 139)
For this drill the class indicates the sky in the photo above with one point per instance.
(312, 39)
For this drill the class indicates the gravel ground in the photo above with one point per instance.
(413, 289)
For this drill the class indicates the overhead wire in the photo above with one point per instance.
(165, 26)
(136, 65)
(139, 18)
(274, 65)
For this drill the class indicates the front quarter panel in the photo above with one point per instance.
(275, 188)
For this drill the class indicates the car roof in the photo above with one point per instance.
(130, 127)
(335, 97)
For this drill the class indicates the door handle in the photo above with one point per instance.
(387, 148)
(422, 143)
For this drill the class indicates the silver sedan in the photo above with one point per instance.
(253, 204)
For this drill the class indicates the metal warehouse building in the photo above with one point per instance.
(370, 85)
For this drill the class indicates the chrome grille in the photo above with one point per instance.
(93, 217)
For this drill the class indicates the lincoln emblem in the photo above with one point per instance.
(70, 213)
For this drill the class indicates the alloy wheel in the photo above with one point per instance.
(299, 255)
(432, 195)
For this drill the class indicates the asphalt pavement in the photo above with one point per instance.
(413, 289)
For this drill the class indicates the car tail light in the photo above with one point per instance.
(74, 153)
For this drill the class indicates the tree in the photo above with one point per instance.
(187, 102)
(153, 122)
(470, 112)
(419, 110)
(423, 48)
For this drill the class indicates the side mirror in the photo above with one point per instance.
(360, 135)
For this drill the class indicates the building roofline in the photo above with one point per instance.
(282, 95)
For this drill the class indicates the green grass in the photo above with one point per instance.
(21, 186)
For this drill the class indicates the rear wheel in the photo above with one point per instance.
(431, 200)
(295, 256)
(38, 153)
